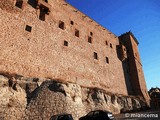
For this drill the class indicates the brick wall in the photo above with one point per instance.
(39, 49)
(133, 64)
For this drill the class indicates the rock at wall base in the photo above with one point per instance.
(26, 98)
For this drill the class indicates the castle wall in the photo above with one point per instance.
(133, 65)
(42, 53)
(139, 70)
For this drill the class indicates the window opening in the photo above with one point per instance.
(89, 39)
(61, 25)
(65, 43)
(77, 33)
(107, 60)
(110, 45)
(72, 23)
(106, 42)
(28, 28)
(95, 55)
(19, 3)
(43, 12)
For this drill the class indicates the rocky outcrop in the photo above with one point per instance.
(12, 99)
(35, 98)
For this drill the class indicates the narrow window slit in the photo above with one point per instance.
(91, 33)
(89, 39)
(107, 60)
(76, 33)
(95, 56)
(72, 23)
(106, 42)
(110, 45)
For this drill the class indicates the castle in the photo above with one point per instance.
(52, 39)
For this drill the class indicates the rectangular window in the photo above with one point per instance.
(72, 23)
(61, 25)
(89, 39)
(91, 33)
(107, 60)
(110, 45)
(106, 42)
(43, 12)
(76, 32)
(28, 28)
(95, 56)
(65, 43)
(19, 3)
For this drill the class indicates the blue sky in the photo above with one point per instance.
(142, 17)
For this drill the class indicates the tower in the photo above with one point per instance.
(132, 66)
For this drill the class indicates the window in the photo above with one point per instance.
(28, 28)
(106, 42)
(95, 55)
(89, 39)
(76, 32)
(19, 3)
(110, 45)
(43, 13)
(107, 60)
(65, 43)
(72, 23)
(61, 25)
(91, 33)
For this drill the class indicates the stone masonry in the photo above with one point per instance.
(25, 98)
(53, 41)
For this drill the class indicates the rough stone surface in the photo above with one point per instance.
(30, 101)
(41, 52)
(36, 47)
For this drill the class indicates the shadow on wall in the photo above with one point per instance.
(118, 52)
(125, 69)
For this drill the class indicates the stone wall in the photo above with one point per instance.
(69, 78)
(39, 99)
(42, 53)
(134, 67)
